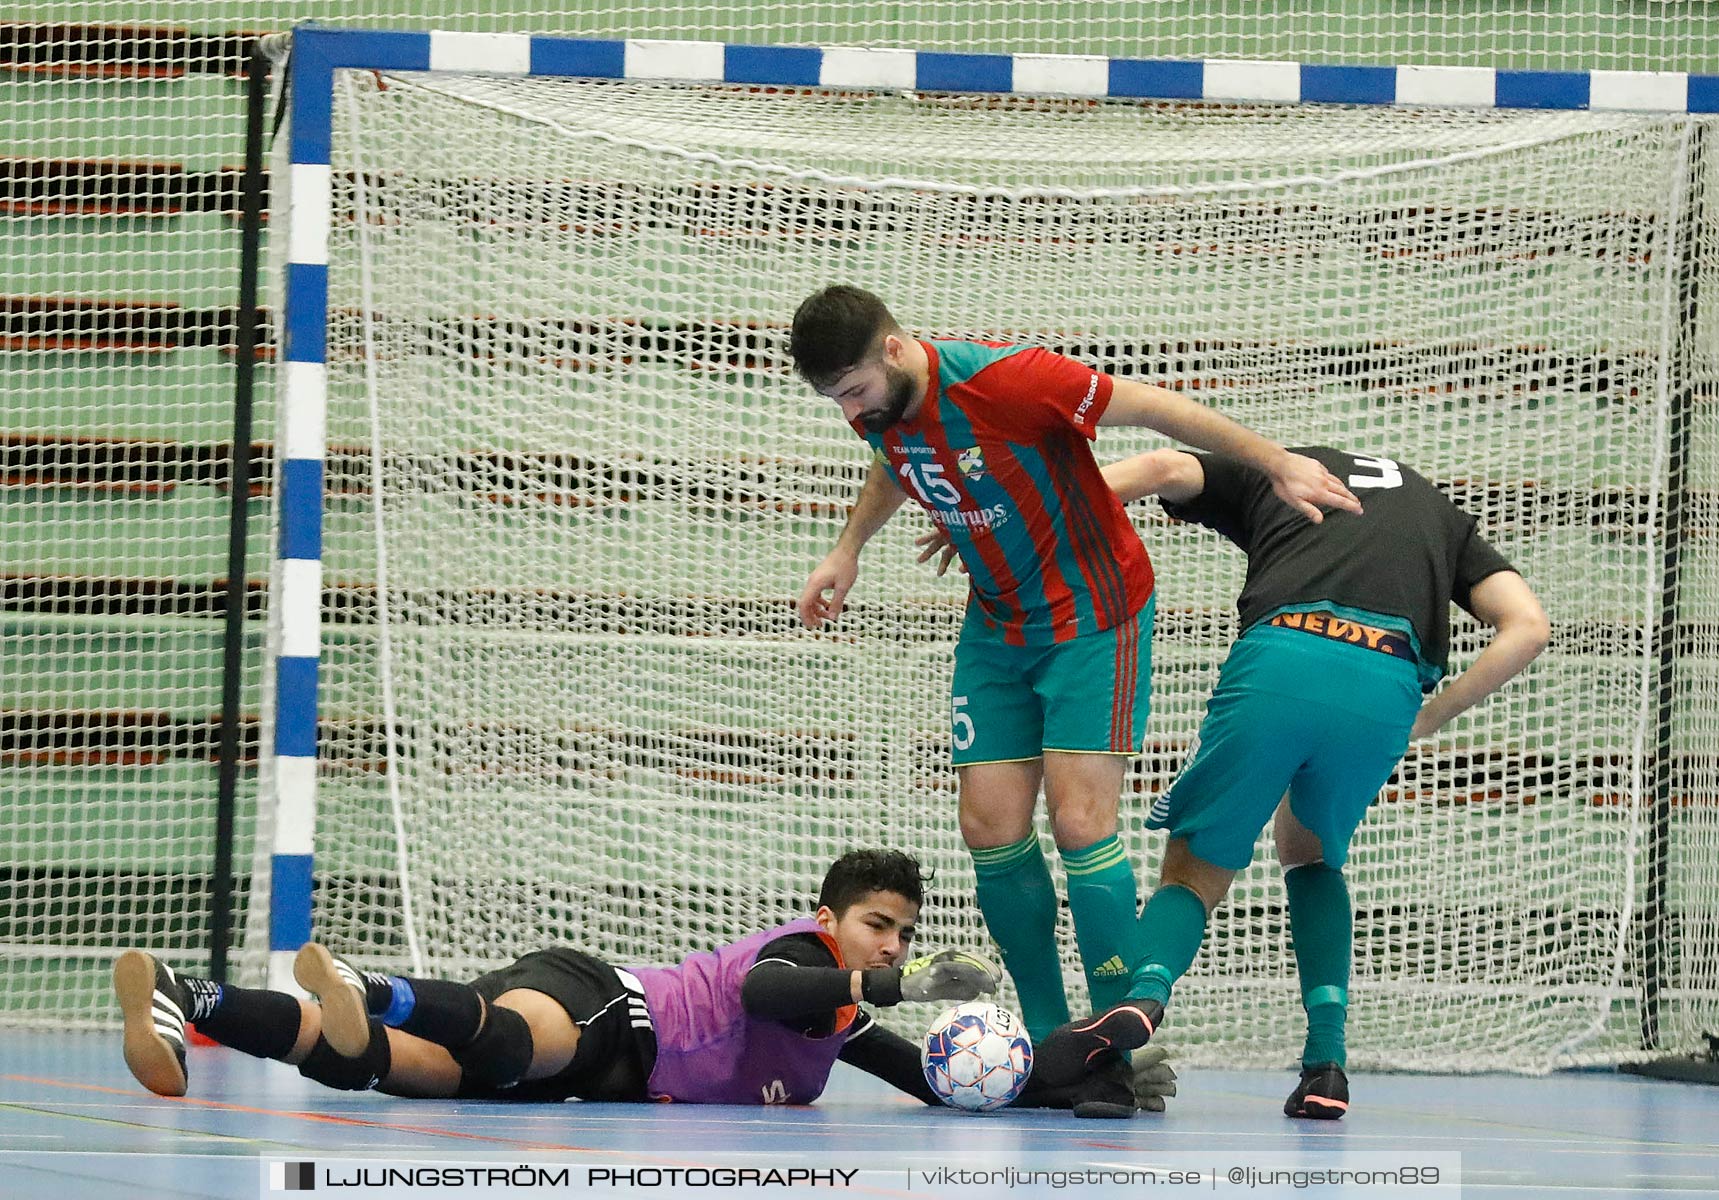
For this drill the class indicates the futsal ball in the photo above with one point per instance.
(977, 1056)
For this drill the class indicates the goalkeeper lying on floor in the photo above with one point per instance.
(759, 1021)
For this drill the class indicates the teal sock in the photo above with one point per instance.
(1171, 929)
(1321, 924)
(1103, 901)
(1015, 894)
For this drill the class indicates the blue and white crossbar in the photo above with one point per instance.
(318, 52)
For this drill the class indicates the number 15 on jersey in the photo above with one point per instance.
(927, 482)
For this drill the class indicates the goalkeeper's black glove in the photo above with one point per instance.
(946, 975)
(1149, 1076)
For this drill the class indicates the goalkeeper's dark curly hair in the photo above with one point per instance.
(859, 873)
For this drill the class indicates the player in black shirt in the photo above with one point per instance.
(1344, 625)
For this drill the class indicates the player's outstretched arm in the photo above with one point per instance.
(1504, 601)
(1302, 483)
(891, 1058)
(877, 502)
(779, 990)
(1175, 475)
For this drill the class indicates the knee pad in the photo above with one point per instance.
(500, 1055)
(326, 1066)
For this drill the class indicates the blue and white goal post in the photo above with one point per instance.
(546, 484)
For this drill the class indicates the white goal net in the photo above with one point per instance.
(573, 487)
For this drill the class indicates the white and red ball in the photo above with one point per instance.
(977, 1056)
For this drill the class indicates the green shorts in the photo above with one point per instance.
(1090, 695)
(1323, 720)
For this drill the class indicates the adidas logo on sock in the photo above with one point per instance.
(1111, 967)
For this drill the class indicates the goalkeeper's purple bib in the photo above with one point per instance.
(710, 1052)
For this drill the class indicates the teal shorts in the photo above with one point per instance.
(1090, 695)
(1325, 721)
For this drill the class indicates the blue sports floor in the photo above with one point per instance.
(73, 1124)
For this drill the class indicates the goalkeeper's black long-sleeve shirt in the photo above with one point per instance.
(796, 981)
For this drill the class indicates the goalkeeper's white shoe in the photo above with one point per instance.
(339, 988)
(153, 1003)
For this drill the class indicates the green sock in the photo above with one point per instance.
(1321, 924)
(1171, 929)
(1015, 894)
(1102, 899)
